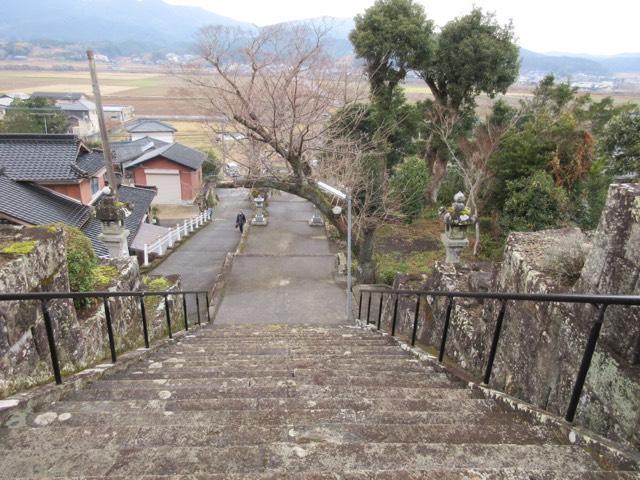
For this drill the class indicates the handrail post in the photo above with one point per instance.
(112, 343)
(360, 304)
(380, 310)
(395, 315)
(494, 342)
(415, 322)
(178, 231)
(145, 330)
(208, 312)
(585, 364)
(146, 254)
(198, 307)
(368, 307)
(52, 342)
(184, 310)
(167, 313)
(445, 330)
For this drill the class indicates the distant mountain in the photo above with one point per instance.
(559, 65)
(122, 27)
(146, 21)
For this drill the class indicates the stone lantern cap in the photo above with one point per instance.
(109, 210)
(458, 214)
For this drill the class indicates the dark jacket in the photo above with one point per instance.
(240, 219)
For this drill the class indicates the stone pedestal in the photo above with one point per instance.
(316, 220)
(259, 218)
(114, 236)
(453, 247)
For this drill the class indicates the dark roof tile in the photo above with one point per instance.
(176, 152)
(148, 126)
(38, 206)
(40, 157)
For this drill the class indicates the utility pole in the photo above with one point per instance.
(103, 128)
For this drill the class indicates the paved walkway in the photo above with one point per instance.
(284, 273)
(200, 259)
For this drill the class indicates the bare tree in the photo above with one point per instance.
(279, 89)
(472, 155)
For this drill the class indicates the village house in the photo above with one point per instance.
(81, 112)
(151, 128)
(173, 169)
(57, 179)
(118, 113)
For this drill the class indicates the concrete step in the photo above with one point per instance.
(291, 458)
(128, 436)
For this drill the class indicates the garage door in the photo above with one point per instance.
(168, 184)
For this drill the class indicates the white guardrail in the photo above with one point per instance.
(174, 235)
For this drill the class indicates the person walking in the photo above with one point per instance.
(240, 221)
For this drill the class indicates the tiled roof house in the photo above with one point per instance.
(56, 179)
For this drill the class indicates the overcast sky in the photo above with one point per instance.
(577, 26)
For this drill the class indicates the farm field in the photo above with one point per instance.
(160, 93)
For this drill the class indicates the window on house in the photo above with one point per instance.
(95, 185)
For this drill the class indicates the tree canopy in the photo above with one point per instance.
(34, 115)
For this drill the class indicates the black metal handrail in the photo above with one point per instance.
(601, 302)
(45, 297)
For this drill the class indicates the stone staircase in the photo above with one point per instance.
(289, 402)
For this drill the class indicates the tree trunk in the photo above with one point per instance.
(437, 168)
(366, 264)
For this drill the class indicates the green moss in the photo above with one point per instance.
(103, 275)
(20, 248)
(157, 283)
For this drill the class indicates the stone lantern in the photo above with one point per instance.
(259, 218)
(457, 219)
(114, 233)
(316, 220)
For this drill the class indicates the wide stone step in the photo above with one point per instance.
(257, 374)
(183, 387)
(338, 363)
(252, 341)
(128, 436)
(291, 458)
(434, 380)
(276, 403)
(62, 414)
(273, 351)
(397, 474)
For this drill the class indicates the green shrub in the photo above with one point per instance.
(408, 184)
(211, 166)
(81, 261)
(103, 275)
(534, 203)
(451, 184)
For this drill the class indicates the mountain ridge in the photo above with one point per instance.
(154, 24)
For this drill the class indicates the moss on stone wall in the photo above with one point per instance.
(20, 248)
(103, 276)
